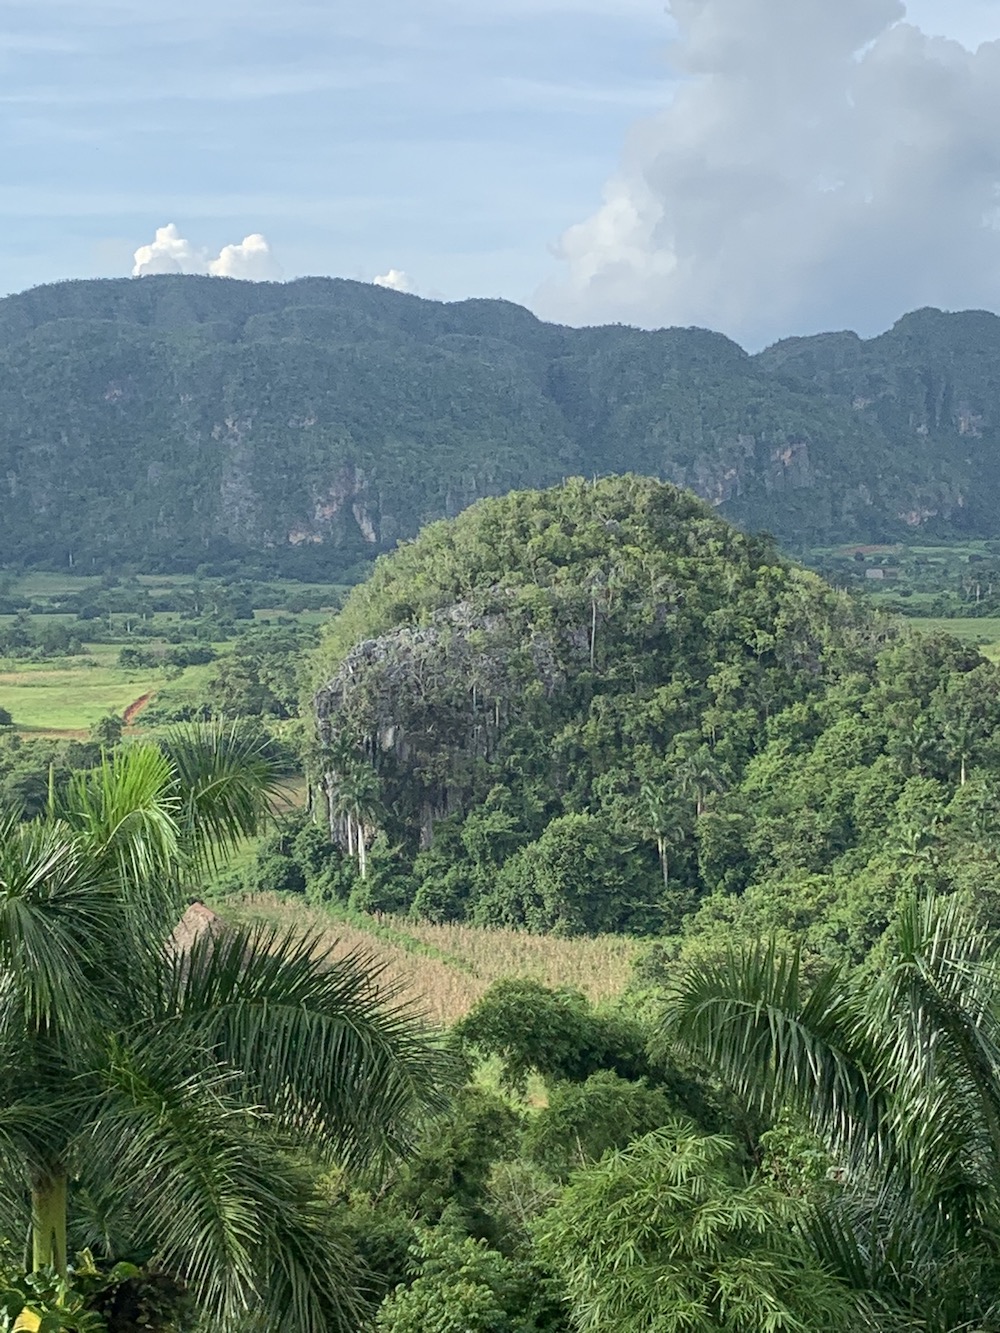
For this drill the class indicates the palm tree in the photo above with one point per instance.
(162, 1101)
(353, 797)
(697, 775)
(900, 1076)
(662, 821)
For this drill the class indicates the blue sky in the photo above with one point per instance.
(452, 140)
(460, 141)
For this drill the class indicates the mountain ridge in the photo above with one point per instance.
(172, 421)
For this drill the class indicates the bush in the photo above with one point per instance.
(451, 1167)
(583, 1120)
(461, 1286)
(190, 654)
(276, 874)
(557, 1034)
(577, 879)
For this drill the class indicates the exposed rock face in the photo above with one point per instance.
(432, 700)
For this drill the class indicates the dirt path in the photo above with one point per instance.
(135, 708)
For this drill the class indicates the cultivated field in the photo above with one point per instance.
(64, 697)
(446, 969)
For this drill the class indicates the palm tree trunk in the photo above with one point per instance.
(362, 851)
(661, 847)
(48, 1222)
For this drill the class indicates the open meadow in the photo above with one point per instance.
(67, 696)
(983, 631)
(446, 969)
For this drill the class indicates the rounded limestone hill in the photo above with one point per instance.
(527, 715)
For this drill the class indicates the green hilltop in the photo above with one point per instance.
(171, 422)
(600, 707)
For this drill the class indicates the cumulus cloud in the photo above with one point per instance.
(170, 252)
(396, 279)
(822, 165)
(252, 259)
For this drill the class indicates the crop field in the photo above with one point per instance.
(444, 970)
(58, 696)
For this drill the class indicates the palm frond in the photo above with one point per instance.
(909, 1270)
(164, 1151)
(192, 1176)
(313, 1275)
(225, 784)
(942, 1065)
(323, 1042)
(750, 1017)
(55, 911)
(127, 813)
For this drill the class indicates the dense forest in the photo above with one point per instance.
(600, 708)
(174, 422)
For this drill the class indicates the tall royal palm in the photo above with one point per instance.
(900, 1075)
(166, 1097)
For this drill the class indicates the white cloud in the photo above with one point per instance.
(250, 259)
(396, 279)
(822, 165)
(170, 252)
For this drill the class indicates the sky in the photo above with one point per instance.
(761, 167)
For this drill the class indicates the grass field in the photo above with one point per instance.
(69, 695)
(66, 696)
(446, 969)
(983, 631)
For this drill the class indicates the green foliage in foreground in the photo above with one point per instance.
(861, 1195)
(899, 1076)
(868, 1203)
(460, 1286)
(162, 1094)
(666, 1235)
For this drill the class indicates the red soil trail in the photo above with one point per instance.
(135, 708)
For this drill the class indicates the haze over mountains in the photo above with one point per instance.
(172, 421)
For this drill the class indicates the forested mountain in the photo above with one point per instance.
(176, 421)
(600, 707)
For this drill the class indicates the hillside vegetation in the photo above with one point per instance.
(601, 708)
(176, 421)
